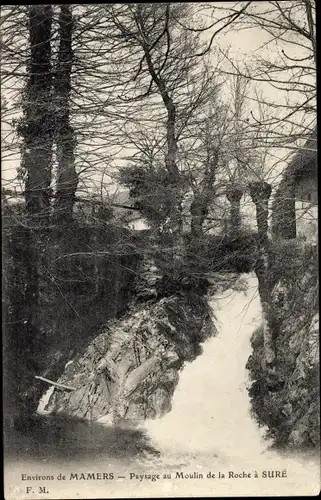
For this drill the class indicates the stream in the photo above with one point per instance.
(208, 445)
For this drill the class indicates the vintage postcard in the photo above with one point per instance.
(159, 228)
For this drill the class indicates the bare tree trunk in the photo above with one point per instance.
(234, 196)
(309, 14)
(175, 224)
(37, 127)
(67, 179)
(171, 154)
(283, 211)
(199, 212)
(260, 193)
(37, 130)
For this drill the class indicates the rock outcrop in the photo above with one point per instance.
(290, 409)
(130, 371)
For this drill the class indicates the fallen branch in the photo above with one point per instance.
(60, 386)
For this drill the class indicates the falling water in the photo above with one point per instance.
(211, 404)
(210, 424)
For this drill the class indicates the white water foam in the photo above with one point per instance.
(210, 423)
(210, 412)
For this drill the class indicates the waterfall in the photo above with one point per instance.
(210, 420)
(210, 411)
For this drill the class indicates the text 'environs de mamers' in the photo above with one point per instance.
(71, 476)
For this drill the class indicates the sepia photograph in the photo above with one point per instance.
(160, 250)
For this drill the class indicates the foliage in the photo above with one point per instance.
(151, 190)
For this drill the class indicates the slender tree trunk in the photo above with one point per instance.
(234, 196)
(308, 10)
(283, 212)
(204, 196)
(260, 193)
(67, 179)
(175, 224)
(199, 212)
(176, 220)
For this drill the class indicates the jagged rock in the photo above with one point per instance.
(130, 371)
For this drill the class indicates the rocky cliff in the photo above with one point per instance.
(290, 410)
